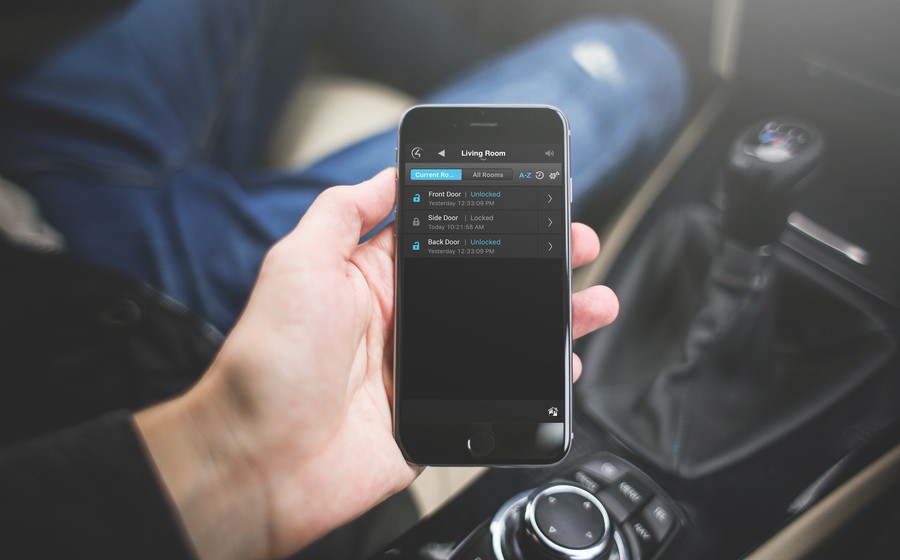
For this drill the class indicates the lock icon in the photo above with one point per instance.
(416, 246)
(417, 198)
(416, 221)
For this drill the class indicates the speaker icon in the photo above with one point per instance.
(550, 153)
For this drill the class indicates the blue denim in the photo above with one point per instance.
(139, 141)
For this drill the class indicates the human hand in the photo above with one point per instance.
(289, 434)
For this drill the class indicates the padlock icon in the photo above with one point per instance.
(416, 246)
(416, 221)
(417, 198)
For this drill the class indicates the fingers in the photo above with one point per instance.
(593, 308)
(341, 215)
(585, 245)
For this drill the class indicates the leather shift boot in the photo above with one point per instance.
(719, 350)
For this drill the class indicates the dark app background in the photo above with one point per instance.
(482, 339)
(483, 329)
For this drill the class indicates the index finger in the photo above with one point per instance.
(341, 215)
(585, 244)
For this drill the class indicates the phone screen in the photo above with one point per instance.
(483, 338)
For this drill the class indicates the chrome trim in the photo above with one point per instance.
(574, 553)
(828, 238)
(498, 525)
(498, 522)
(620, 547)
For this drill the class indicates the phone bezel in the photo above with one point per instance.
(444, 444)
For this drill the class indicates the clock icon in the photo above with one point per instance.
(416, 152)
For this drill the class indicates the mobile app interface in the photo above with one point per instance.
(484, 278)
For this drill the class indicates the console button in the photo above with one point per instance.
(481, 444)
(624, 497)
(644, 534)
(605, 470)
(642, 537)
(633, 491)
(585, 480)
(659, 517)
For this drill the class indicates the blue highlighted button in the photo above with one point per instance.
(435, 174)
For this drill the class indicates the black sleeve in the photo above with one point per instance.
(86, 492)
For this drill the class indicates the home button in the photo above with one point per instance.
(481, 444)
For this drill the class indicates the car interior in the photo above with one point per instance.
(746, 402)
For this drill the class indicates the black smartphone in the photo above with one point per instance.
(483, 337)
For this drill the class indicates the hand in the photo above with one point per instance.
(288, 435)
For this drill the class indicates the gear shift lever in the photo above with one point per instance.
(722, 348)
(769, 163)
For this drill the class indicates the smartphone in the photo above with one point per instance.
(483, 328)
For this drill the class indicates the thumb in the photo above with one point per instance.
(340, 216)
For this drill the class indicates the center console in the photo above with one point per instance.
(622, 495)
(602, 509)
(796, 388)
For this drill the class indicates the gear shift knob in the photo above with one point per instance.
(768, 164)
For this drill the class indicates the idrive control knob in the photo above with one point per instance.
(565, 521)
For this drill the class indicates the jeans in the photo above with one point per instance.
(139, 141)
